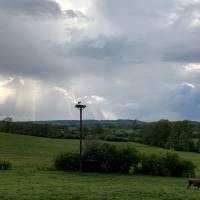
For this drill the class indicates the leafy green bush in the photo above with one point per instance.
(150, 165)
(5, 165)
(106, 158)
(166, 165)
(68, 161)
(98, 157)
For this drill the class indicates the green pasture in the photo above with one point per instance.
(30, 178)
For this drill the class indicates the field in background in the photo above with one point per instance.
(29, 179)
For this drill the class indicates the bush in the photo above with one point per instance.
(109, 159)
(114, 138)
(150, 165)
(106, 158)
(129, 158)
(68, 162)
(5, 165)
(187, 168)
(166, 165)
(98, 157)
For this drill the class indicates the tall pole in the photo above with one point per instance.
(81, 138)
(81, 107)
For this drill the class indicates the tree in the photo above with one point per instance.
(98, 129)
(181, 137)
(157, 133)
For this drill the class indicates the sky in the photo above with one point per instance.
(124, 59)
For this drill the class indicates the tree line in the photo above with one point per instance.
(40, 130)
(177, 135)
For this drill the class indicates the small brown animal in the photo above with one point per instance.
(193, 182)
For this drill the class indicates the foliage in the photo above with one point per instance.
(178, 135)
(68, 161)
(98, 157)
(50, 130)
(40, 130)
(115, 138)
(181, 136)
(108, 158)
(166, 165)
(5, 165)
(97, 129)
(198, 146)
(173, 135)
(157, 134)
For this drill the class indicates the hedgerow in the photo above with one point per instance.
(106, 158)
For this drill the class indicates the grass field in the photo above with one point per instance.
(30, 180)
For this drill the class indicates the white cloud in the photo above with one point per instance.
(192, 67)
(188, 84)
(98, 98)
(196, 19)
(5, 93)
(6, 82)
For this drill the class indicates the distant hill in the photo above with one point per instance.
(119, 122)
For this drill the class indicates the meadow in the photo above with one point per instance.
(30, 177)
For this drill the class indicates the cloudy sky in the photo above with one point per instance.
(123, 58)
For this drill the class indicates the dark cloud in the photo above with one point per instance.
(183, 54)
(31, 7)
(182, 37)
(70, 13)
(185, 100)
(118, 49)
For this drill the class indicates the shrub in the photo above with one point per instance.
(68, 162)
(171, 163)
(92, 156)
(166, 165)
(5, 165)
(98, 157)
(187, 168)
(150, 165)
(115, 138)
(128, 158)
(109, 159)
(106, 158)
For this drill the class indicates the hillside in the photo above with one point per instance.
(119, 122)
(29, 178)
